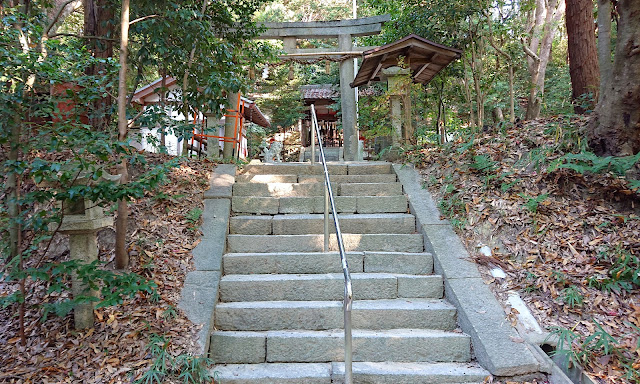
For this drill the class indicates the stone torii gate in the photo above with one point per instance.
(344, 31)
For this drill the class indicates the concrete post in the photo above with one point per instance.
(230, 125)
(348, 101)
(84, 248)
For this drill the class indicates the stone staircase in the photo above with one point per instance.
(279, 317)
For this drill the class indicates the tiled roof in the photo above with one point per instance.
(319, 92)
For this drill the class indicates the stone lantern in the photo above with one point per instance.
(395, 80)
(81, 220)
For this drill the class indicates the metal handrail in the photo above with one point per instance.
(348, 292)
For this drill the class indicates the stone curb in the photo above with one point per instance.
(480, 315)
(200, 292)
(221, 183)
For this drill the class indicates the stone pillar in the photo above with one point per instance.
(230, 125)
(348, 101)
(84, 248)
(81, 221)
(396, 119)
(213, 147)
(395, 85)
(289, 44)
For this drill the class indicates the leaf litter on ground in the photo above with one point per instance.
(160, 240)
(556, 233)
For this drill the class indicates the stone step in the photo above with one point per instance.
(316, 189)
(411, 373)
(281, 189)
(298, 346)
(315, 243)
(370, 189)
(363, 373)
(301, 224)
(334, 168)
(320, 262)
(335, 179)
(274, 373)
(325, 315)
(315, 204)
(340, 179)
(251, 178)
(329, 286)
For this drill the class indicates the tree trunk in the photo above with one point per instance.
(604, 42)
(122, 257)
(467, 98)
(583, 57)
(477, 72)
(163, 104)
(185, 82)
(544, 23)
(98, 21)
(512, 96)
(615, 128)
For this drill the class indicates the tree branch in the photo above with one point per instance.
(142, 19)
(82, 36)
(57, 17)
(529, 52)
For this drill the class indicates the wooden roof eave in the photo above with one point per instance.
(421, 56)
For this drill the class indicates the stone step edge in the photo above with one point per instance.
(333, 372)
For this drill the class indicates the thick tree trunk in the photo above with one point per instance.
(615, 128)
(583, 57)
(122, 256)
(98, 21)
(604, 42)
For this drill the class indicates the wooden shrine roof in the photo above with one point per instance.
(424, 57)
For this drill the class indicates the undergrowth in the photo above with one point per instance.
(567, 222)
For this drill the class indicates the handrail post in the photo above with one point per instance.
(326, 216)
(313, 142)
(348, 351)
(348, 292)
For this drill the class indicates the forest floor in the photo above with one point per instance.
(146, 335)
(568, 242)
(567, 239)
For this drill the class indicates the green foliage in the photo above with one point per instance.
(623, 271)
(580, 350)
(452, 206)
(588, 162)
(186, 368)
(193, 216)
(572, 296)
(533, 202)
(54, 163)
(374, 113)
(284, 104)
(218, 40)
(483, 164)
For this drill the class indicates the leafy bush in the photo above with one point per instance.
(53, 161)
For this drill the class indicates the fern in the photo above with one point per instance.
(483, 164)
(589, 162)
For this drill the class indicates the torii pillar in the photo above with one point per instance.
(344, 31)
(348, 101)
